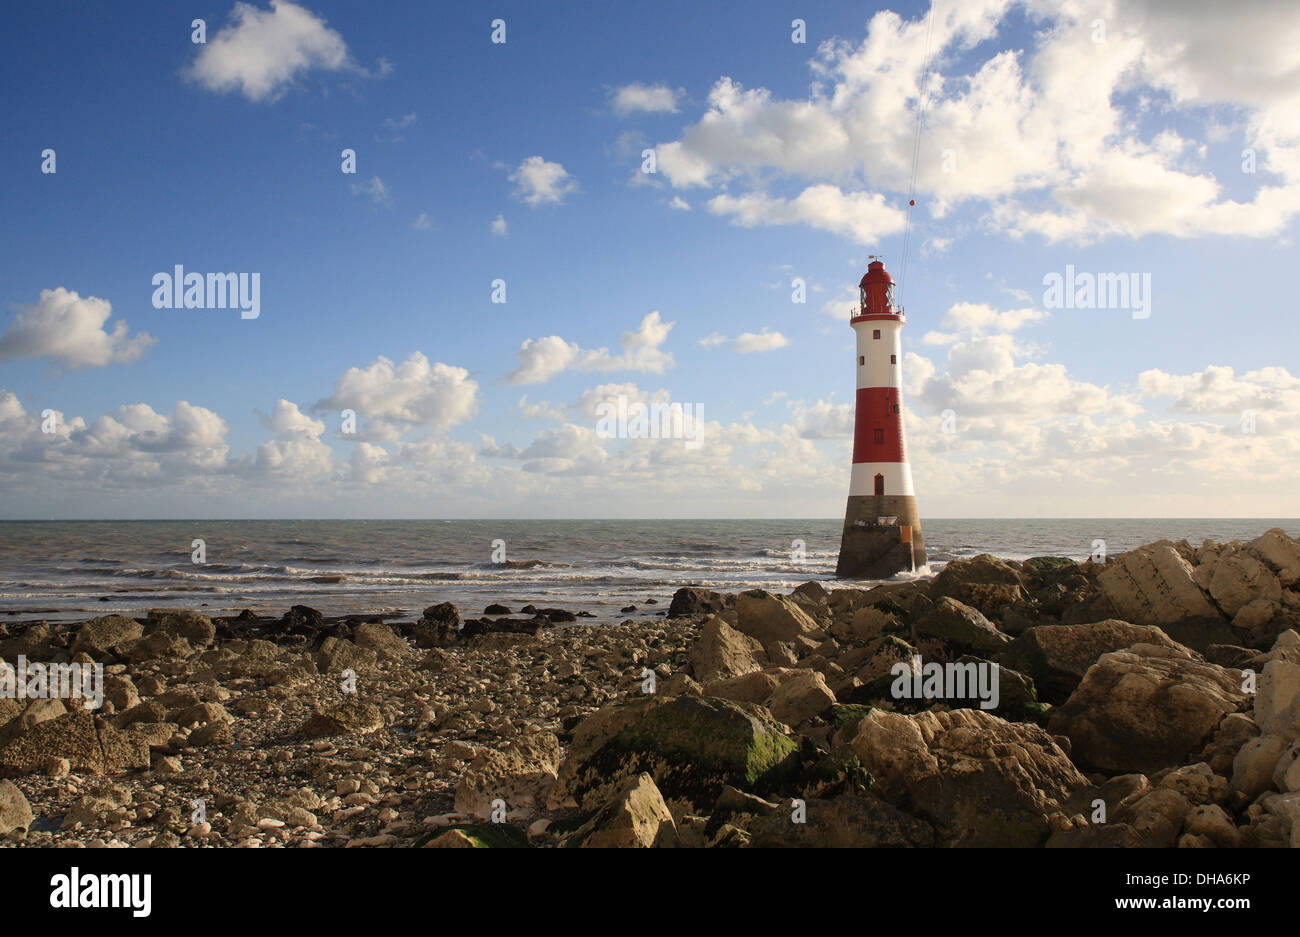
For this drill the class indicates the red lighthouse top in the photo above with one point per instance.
(876, 295)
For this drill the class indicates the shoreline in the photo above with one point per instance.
(695, 721)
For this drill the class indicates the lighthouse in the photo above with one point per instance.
(882, 529)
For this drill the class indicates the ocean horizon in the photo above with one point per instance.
(65, 569)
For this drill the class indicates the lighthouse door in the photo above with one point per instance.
(880, 484)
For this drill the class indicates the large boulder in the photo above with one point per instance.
(351, 717)
(15, 811)
(381, 639)
(979, 780)
(87, 742)
(769, 617)
(691, 600)
(521, 774)
(801, 697)
(849, 821)
(636, 818)
(983, 582)
(197, 629)
(339, 654)
(109, 634)
(1057, 656)
(1277, 702)
(1153, 585)
(1280, 552)
(691, 746)
(1146, 708)
(755, 687)
(1240, 579)
(722, 651)
(960, 625)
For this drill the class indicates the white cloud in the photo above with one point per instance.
(538, 182)
(422, 222)
(973, 320)
(1217, 390)
(288, 422)
(369, 463)
(641, 349)
(261, 52)
(389, 400)
(132, 446)
(1050, 140)
(655, 99)
(680, 203)
(540, 359)
(863, 217)
(749, 342)
(824, 420)
(70, 330)
(499, 226)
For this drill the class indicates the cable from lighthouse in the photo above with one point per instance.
(921, 104)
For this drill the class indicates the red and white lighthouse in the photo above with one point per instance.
(882, 529)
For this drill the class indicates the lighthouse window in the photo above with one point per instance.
(875, 333)
(879, 437)
(893, 359)
(862, 359)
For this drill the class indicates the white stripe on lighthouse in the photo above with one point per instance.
(898, 478)
(875, 369)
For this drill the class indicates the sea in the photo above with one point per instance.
(67, 570)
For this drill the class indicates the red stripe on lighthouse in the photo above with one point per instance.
(879, 416)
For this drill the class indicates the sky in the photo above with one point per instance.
(1157, 142)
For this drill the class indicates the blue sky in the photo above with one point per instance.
(1048, 142)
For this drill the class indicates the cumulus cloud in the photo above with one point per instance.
(861, 216)
(70, 330)
(641, 349)
(538, 182)
(824, 420)
(1271, 394)
(637, 97)
(287, 421)
(747, 342)
(499, 226)
(1049, 140)
(132, 446)
(391, 399)
(541, 359)
(261, 52)
(972, 320)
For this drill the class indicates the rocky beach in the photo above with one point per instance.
(1149, 700)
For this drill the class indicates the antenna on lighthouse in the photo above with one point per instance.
(921, 103)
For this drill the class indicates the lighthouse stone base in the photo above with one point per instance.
(872, 549)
